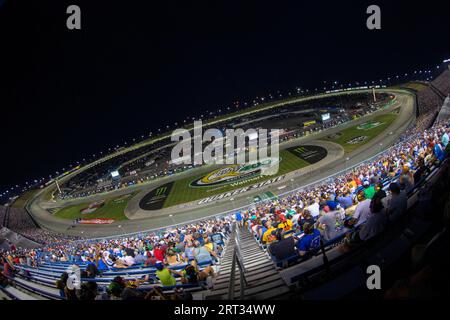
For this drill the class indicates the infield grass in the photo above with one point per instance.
(182, 191)
(112, 209)
(348, 134)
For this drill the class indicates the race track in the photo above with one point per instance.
(141, 220)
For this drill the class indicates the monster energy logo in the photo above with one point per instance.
(160, 191)
(309, 153)
(300, 149)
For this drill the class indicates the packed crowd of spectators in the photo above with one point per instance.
(193, 248)
(19, 221)
(429, 102)
(2, 215)
(354, 203)
(442, 82)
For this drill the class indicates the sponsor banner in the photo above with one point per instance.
(310, 154)
(96, 221)
(233, 173)
(242, 190)
(154, 200)
(309, 123)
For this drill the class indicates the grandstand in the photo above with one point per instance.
(298, 245)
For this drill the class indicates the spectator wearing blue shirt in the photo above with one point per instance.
(345, 200)
(439, 152)
(239, 219)
(310, 241)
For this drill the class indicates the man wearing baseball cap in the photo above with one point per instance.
(369, 190)
(165, 275)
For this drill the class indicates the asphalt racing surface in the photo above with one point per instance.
(142, 220)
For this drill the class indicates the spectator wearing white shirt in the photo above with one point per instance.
(314, 208)
(362, 211)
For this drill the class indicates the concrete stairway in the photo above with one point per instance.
(263, 280)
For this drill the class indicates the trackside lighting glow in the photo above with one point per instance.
(448, 60)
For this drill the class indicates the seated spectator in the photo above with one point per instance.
(91, 269)
(285, 224)
(192, 275)
(70, 288)
(314, 208)
(8, 268)
(298, 214)
(203, 253)
(189, 251)
(159, 252)
(125, 261)
(345, 200)
(327, 224)
(306, 217)
(173, 258)
(369, 190)
(165, 275)
(115, 288)
(362, 211)
(376, 222)
(397, 203)
(283, 247)
(88, 291)
(61, 284)
(266, 236)
(310, 242)
(406, 179)
(208, 244)
(151, 260)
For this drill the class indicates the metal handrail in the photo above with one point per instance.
(239, 261)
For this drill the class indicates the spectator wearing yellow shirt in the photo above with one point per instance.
(268, 233)
(285, 224)
(208, 244)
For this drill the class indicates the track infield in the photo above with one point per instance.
(354, 137)
(113, 208)
(182, 190)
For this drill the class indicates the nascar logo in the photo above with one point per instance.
(232, 173)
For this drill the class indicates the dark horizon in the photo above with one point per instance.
(132, 69)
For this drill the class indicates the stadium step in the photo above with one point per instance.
(263, 280)
(19, 293)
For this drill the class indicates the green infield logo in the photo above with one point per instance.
(160, 191)
(233, 173)
(154, 200)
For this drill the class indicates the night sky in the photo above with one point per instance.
(133, 67)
